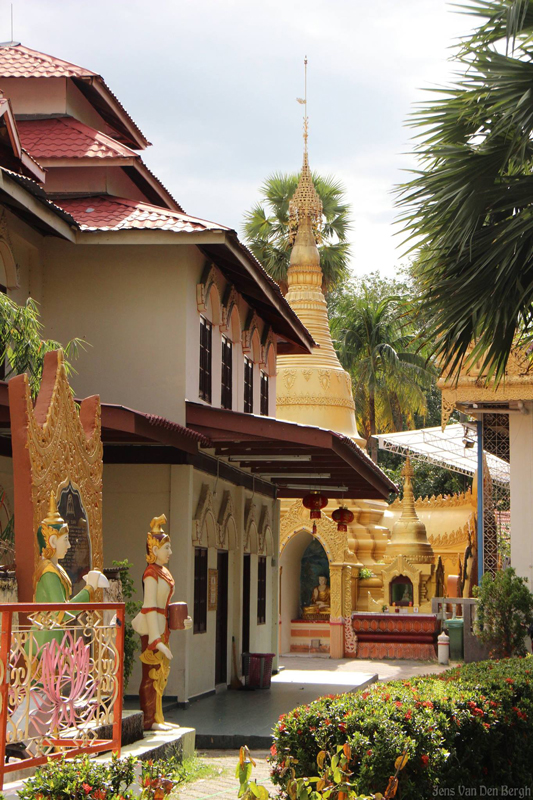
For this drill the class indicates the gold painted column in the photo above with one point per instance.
(336, 641)
(350, 641)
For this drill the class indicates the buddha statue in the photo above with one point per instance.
(320, 600)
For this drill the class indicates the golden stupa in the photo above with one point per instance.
(312, 389)
(409, 534)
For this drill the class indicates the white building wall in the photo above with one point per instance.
(521, 456)
(127, 303)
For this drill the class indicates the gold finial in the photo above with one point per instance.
(408, 504)
(155, 537)
(408, 471)
(305, 202)
(53, 517)
(157, 523)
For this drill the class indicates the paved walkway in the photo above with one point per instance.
(304, 676)
(234, 718)
(225, 784)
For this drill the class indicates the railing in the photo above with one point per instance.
(465, 608)
(61, 680)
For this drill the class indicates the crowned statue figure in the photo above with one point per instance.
(51, 581)
(154, 622)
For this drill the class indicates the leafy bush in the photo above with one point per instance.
(80, 779)
(469, 726)
(132, 608)
(83, 778)
(505, 612)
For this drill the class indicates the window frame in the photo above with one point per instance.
(261, 590)
(265, 383)
(226, 376)
(248, 385)
(205, 382)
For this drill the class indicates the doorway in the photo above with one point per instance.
(221, 646)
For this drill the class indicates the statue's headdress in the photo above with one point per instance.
(155, 537)
(53, 523)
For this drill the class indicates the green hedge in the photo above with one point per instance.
(469, 727)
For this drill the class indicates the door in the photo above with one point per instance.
(221, 652)
(246, 603)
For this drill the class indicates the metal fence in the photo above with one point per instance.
(61, 680)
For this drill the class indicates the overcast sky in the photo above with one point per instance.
(212, 84)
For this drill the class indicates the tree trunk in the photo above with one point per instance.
(372, 443)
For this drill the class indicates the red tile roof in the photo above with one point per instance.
(105, 213)
(17, 61)
(65, 137)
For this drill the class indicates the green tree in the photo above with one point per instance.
(377, 348)
(468, 207)
(266, 228)
(505, 612)
(21, 347)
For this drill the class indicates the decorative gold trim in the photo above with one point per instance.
(297, 520)
(61, 450)
(314, 400)
(441, 501)
(471, 386)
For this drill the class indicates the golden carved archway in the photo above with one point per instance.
(54, 443)
(297, 519)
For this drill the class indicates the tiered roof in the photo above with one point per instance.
(18, 61)
(65, 137)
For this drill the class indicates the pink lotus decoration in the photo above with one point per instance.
(66, 669)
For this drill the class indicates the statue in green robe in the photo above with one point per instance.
(51, 581)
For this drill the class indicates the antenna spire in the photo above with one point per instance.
(305, 202)
(12, 36)
(303, 102)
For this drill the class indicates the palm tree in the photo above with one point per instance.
(469, 206)
(266, 228)
(376, 347)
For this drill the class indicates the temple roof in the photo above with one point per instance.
(18, 61)
(65, 137)
(106, 213)
(12, 153)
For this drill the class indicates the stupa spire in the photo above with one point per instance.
(305, 202)
(312, 389)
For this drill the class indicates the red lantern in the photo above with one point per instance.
(342, 516)
(315, 501)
